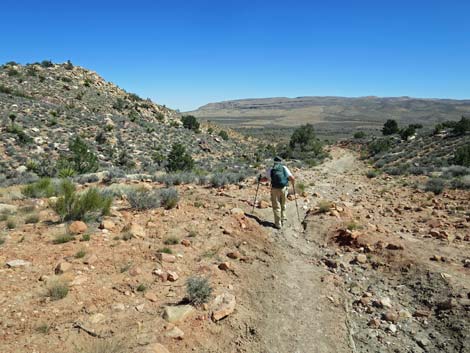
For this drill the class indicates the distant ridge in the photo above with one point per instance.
(332, 112)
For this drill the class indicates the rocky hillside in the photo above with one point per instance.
(336, 113)
(44, 105)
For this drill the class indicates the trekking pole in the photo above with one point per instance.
(296, 204)
(256, 196)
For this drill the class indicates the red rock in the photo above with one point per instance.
(172, 276)
(77, 227)
(234, 255)
(164, 257)
(63, 267)
(224, 266)
(185, 242)
(223, 306)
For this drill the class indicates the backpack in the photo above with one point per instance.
(279, 178)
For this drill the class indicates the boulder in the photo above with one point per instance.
(361, 258)
(172, 276)
(174, 332)
(174, 314)
(164, 257)
(107, 224)
(63, 267)
(224, 266)
(77, 227)
(135, 230)
(18, 263)
(223, 306)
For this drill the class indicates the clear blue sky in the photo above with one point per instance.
(188, 53)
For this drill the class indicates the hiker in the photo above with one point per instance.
(279, 175)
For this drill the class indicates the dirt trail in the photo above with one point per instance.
(298, 310)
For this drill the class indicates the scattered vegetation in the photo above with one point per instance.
(42, 188)
(224, 135)
(168, 198)
(63, 238)
(80, 159)
(71, 205)
(198, 290)
(324, 206)
(142, 199)
(171, 241)
(57, 290)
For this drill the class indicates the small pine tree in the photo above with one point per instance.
(462, 156)
(81, 159)
(179, 159)
(390, 127)
(303, 137)
(190, 122)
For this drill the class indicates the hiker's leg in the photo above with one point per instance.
(283, 198)
(275, 198)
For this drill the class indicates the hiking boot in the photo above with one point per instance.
(277, 226)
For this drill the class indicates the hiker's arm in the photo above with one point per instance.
(262, 179)
(292, 179)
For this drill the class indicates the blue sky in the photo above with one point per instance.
(188, 53)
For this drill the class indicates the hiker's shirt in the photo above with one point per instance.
(286, 170)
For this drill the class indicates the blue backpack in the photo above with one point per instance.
(279, 177)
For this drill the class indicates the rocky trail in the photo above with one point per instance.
(314, 296)
(373, 266)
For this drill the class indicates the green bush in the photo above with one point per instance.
(190, 122)
(379, 145)
(74, 206)
(42, 188)
(171, 241)
(224, 135)
(198, 290)
(63, 238)
(462, 126)
(23, 138)
(304, 137)
(47, 63)
(31, 219)
(462, 156)
(359, 135)
(406, 133)
(80, 158)
(372, 173)
(179, 159)
(221, 179)
(390, 127)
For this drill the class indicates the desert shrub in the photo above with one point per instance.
(379, 145)
(11, 224)
(198, 290)
(80, 158)
(224, 135)
(372, 173)
(435, 185)
(190, 122)
(80, 254)
(31, 219)
(407, 132)
(417, 170)
(169, 198)
(210, 130)
(46, 63)
(12, 72)
(57, 290)
(455, 171)
(462, 126)
(109, 345)
(134, 97)
(42, 188)
(324, 206)
(166, 251)
(141, 199)
(74, 206)
(359, 134)
(218, 180)
(23, 138)
(462, 156)
(171, 241)
(179, 178)
(390, 127)
(87, 178)
(66, 172)
(179, 159)
(397, 169)
(300, 187)
(119, 104)
(86, 237)
(303, 137)
(63, 238)
(461, 183)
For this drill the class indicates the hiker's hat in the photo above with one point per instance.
(277, 159)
